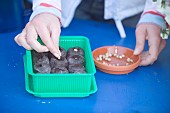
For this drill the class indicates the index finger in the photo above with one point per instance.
(140, 39)
(31, 38)
(46, 38)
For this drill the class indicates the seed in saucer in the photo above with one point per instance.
(128, 60)
(104, 56)
(98, 59)
(107, 55)
(116, 50)
(114, 54)
(109, 59)
(120, 57)
(110, 55)
(100, 56)
(104, 62)
(117, 64)
(110, 64)
(113, 65)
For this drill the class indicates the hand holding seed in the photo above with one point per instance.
(156, 44)
(47, 26)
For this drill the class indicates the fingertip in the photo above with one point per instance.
(137, 51)
(56, 55)
(45, 49)
(59, 57)
(143, 63)
(16, 39)
(29, 48)
(59, 52)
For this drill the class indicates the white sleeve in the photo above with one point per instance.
(48, 6)
(150, 6)
(152, 15)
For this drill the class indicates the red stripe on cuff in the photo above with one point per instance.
(48, 5)
(154, 13)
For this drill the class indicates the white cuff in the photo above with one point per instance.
(155, 19)
(42, 9)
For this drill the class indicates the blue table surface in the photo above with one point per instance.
(145, 90)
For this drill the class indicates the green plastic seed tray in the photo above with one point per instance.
(62, 85)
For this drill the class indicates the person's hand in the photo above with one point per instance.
(45, 25)
(156, 44)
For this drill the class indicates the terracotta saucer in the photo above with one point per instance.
(121, 59)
